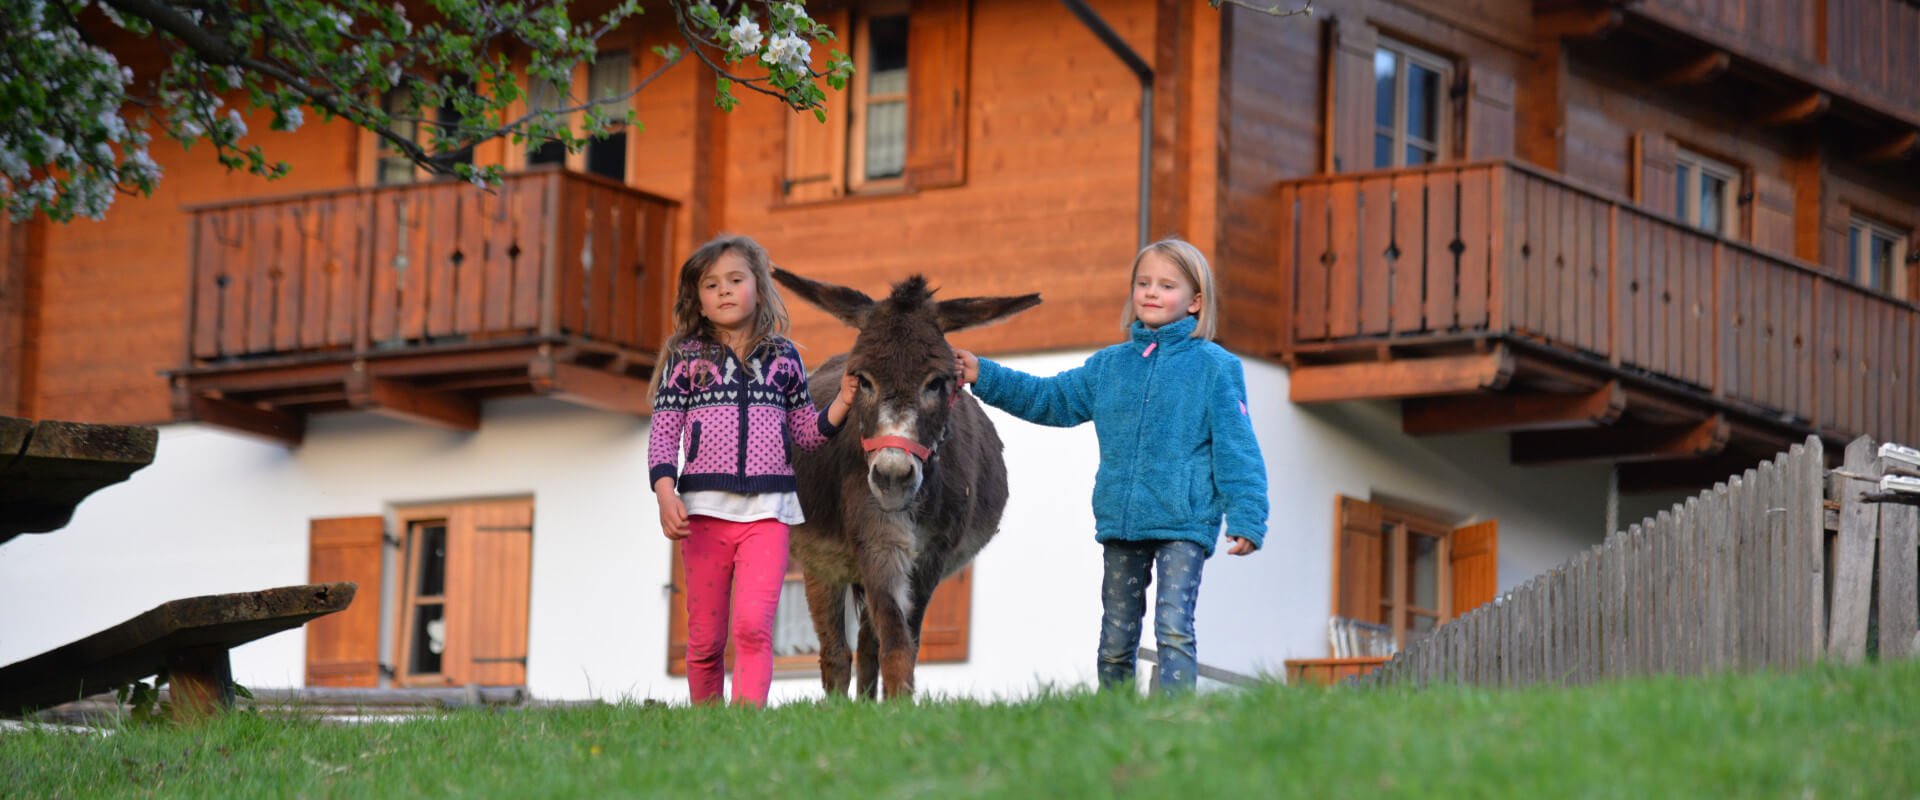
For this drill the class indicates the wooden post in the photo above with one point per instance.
(202, 681)
(1853, 553)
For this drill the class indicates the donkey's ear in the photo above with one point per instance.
(971, 312)
(849, 305)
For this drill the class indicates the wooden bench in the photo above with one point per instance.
(48, 467)
(189, 638)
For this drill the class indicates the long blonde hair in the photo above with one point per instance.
(769, 313)
(1193, 266)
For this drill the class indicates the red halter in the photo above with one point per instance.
(919, 451)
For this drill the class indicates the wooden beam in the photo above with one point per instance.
(1622, 443)
(1512, 412)
(275, 426)
(1396, 380)
(1683, 475)
(591, 387)
(1801, 110)
(1899, 146)
(1577, 23)
(1695, 71)
(391, 398)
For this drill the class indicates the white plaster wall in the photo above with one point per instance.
(221, 513)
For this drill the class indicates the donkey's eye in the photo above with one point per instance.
(865, 385)
(936, 386)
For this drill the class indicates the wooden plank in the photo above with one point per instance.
(442, 236)
(1343, 271)
(1376, 268)
(1442, 309)
(264, 274)
(144, 644)
(597, 304)
(417, 282)
(392, 398)
(1624, 442)
(1410, 246)
(591, 387)
(499, 233)
(288, 276)
(1508, 412)
(313, 230)
(1899, 597)
(1438, 375)
(389, 264)
(535, 223)
(475, 223)
(1315, 298)
(625, 270)
(238, 275)
(1477, 231)
(1853, 553)
(212, 249)
(572, 257)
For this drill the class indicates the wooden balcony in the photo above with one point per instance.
(1788, 60)
(420, 300)
(1496, 297)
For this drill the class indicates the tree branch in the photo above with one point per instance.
(1273, 10)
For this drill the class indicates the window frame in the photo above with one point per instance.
(1406, 55)
(410, 600)
(861, 98)
(1396, 603)
(467, 516)
(1898, 284)
(1689, 167)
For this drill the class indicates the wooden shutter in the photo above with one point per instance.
(943, 634)
(1474, 555)
(938, 41)
(13, 312)
(1654, 160)
(489, 560)
(816, 163)
(343, 648)
(1359, 550)
(1770, 214)
(1489, 114)
(1351, 124)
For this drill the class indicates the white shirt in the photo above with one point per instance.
(739, 507)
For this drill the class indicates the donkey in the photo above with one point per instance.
(909, 492)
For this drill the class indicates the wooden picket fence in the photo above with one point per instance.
(1775, 568)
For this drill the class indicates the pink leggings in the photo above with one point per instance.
(742, 565)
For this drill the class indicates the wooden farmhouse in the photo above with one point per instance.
(1504, 275)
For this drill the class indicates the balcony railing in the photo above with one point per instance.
(339, 299)
(549, 253)
(1503, 251)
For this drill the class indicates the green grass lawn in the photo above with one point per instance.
(1824, 732)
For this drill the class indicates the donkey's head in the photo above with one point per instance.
(905, 368)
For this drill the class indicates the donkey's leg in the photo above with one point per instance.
(866, 655)
(827, 603)
(886, 572)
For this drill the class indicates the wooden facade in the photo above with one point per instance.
(1555, 273)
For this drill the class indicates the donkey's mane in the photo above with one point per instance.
(910, 294)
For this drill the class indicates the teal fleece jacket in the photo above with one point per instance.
(1177, 450)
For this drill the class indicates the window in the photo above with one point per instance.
(1704, 191)
(903, 126)
(796, 645)
(459, 575)
(879, 90)
(545, 95)
(391, 165)
(1410, 106)
(1407, 571)
(1877, 257)
(609, 77)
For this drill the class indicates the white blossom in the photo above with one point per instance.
(787, 50)
(798, 11)
(292, 117)
(746, 34)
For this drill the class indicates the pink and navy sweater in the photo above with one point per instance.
(740, 421)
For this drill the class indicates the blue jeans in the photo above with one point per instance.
(1123, 594)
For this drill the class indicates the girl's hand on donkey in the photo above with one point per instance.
(1240, 546)
(843, 400)
(967, 365)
